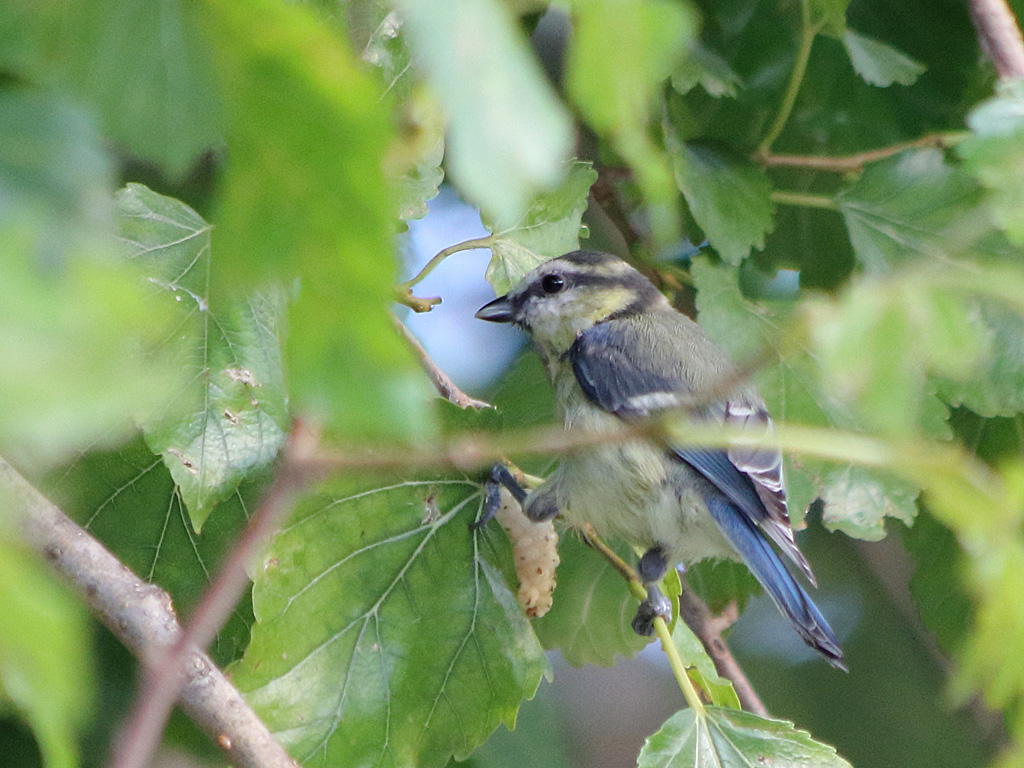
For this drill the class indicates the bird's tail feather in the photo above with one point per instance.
(783, 588)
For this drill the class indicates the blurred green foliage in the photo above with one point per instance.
(155, 354)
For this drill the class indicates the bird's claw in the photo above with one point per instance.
(655, 605)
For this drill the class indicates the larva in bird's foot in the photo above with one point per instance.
(535, 553)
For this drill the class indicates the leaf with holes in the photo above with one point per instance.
(386, 633)
(128, 500)
(728, 738)
(232, 417)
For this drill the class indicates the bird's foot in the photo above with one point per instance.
(498, 477)
(655, 605)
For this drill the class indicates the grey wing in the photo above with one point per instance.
(618, 369)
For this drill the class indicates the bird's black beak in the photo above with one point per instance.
(498, 311)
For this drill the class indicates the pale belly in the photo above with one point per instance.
(622, 491)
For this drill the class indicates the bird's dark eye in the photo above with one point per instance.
(552, 283)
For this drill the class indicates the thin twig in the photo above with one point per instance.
(444, 385)
(856, 162)
(140, 736)
(999, 36)
(660, 627)
(804, 200)
(807, 34)
(403, 291)
(708, 629)
(141, 616)
(468, 245)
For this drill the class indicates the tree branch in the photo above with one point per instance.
(999, 36)
(140, 736)
(142, 617)
(444, 385)
(708, 630)
(856, 162)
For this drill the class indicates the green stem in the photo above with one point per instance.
(678, 668)
(796, 77)
(805, 200)
(468, 245)
(667, 644)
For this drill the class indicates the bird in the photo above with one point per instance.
(615, 350)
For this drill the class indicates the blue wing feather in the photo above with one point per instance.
(778, 582)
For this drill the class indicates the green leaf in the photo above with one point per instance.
(937, 584)
(701, 668)
(414, 162)
(550, 227)
(590, 619)
(727, 738)
(994, 154)
(994, 386)
(304, 203)
(706, 68)
(384, 632)
(829, 15)
(616, 93)
(45, 654)
(915, 205)
(421, 180)
(74, 320)
(793, 390)
(232, 417)
(877, 344)
(878, 63)
(730, 198)
(857, 502)
(55, 176)
(145, 70)
(719, 582)
(508, 133)
(376, 33)
(129, 501)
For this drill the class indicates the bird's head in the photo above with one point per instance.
(565, 296)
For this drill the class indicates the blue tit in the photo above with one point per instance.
(615, 349)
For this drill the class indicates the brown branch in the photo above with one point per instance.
(140, 736)
(444, 385)
(999, 36)
(708, 630)
(856, 162)
(142, 617)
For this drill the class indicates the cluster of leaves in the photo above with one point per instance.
(154, 356)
